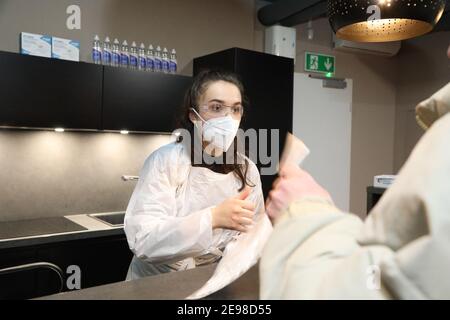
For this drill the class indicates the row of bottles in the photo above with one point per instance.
(141, 58)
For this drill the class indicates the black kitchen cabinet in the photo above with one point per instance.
(17, 285)
(142, 101)
(269, 85)
(101, 261)
(48, 93)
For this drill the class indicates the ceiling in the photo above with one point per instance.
(291, 13)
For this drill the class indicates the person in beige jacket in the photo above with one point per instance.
(401, 251)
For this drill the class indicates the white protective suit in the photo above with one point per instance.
(402, 250)
(168, 219)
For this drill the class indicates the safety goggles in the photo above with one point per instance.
(216, 109)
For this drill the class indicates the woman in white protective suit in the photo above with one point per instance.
(191, 199)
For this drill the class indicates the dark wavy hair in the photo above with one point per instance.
(199, 86)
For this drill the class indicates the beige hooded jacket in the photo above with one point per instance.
(402, 250)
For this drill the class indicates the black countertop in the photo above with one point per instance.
(47, 230)
(169, 286)
(37, 227)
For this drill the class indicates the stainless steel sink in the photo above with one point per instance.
(114, 219)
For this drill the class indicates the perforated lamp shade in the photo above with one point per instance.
(383, 20)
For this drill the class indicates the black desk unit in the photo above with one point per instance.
(373, 196)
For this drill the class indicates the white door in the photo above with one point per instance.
(323, 121)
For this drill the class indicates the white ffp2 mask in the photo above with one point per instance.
(220, 132)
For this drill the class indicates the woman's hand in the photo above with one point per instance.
(293, 184)
(234, 213)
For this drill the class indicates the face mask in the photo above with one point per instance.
(220, 132)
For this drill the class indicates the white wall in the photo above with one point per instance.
(193, 27)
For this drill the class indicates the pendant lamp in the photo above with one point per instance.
(383, 20)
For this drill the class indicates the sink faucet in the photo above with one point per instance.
(130, 178)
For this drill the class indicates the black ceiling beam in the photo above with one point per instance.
(285, 9)
(318, 10)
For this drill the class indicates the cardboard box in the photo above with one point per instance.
(65, 49)
(36, 45)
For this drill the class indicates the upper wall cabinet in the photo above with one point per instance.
(142, 101)
(48, 93)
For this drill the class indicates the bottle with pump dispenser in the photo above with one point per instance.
(115, 60)
(97, 51)
(158, 61)
(106, 56)
(142, 63)
(134, 57)
(173, 67)
(124, 55)
(150, 59)
(165, 61)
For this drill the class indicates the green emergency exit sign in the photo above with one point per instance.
(316, 62)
